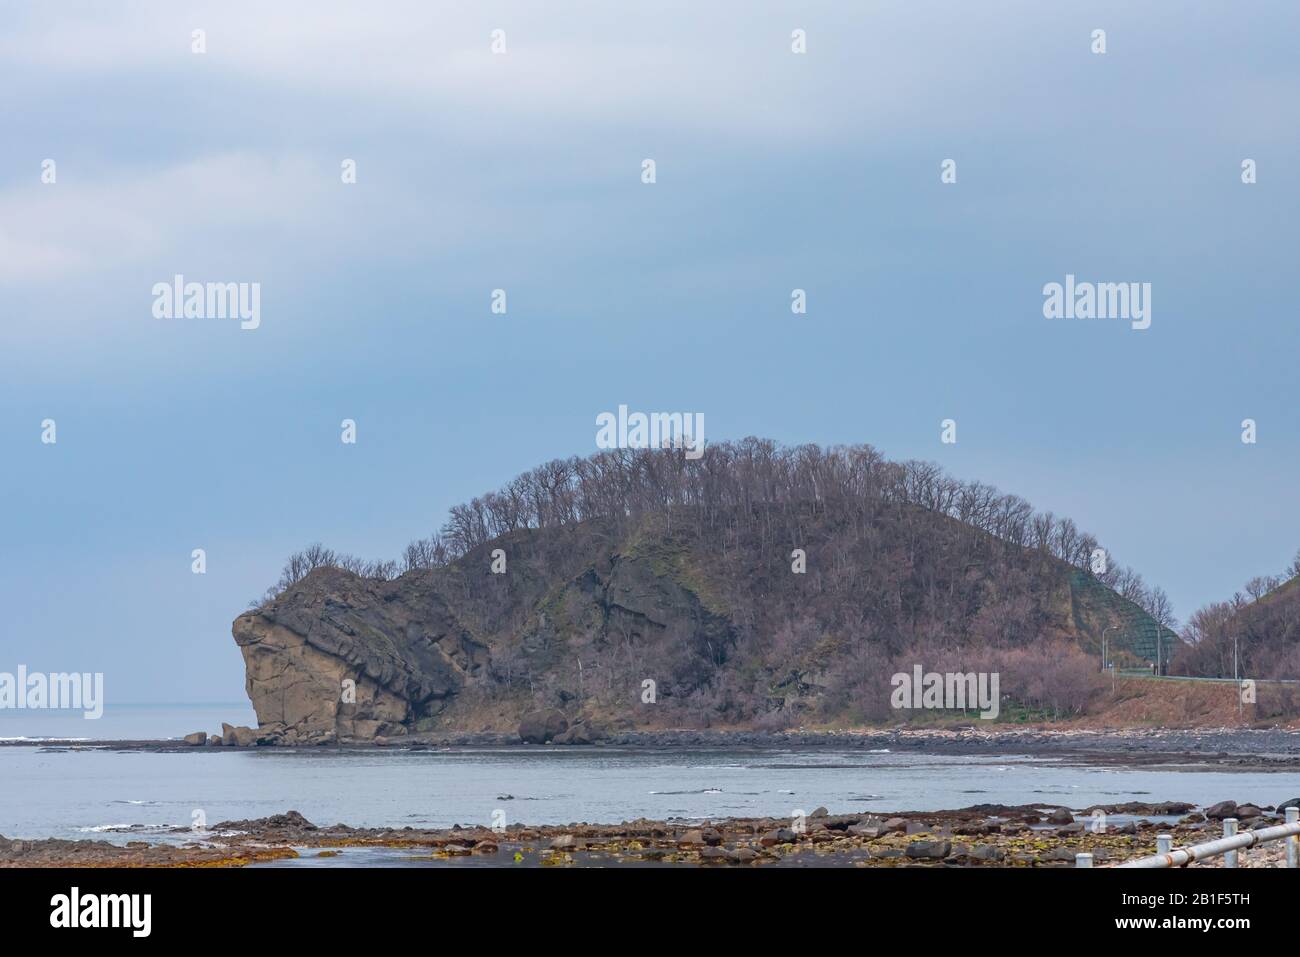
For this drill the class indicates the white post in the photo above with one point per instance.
(1083, 860)
(1230, 830)
(1164, 843)
(1292, 842)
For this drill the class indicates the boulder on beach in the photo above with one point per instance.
(1060, 854)
(539, 727)
(782, 835)
(717, 854)
(237, 737)
(1217, 812)
(196, 739)
(580, 733)
(929, 850)
(870, 831)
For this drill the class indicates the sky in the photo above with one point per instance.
(522, 171)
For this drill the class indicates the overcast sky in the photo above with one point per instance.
(522, 171)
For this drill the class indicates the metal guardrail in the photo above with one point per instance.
(1226, 846)
(1143, 673)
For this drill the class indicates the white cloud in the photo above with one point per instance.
(726, 68)
(85, 225)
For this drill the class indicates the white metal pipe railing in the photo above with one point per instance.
(1228, 845)
(1229, 830)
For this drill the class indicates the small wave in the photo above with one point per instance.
(719, 767)
(100, 828)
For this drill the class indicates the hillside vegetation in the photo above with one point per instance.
(756, 586)
(1260, 625)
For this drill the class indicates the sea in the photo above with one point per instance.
(62, 790)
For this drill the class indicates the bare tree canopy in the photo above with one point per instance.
(733, 482)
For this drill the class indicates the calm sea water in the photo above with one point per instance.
(126, 722)
(94, 793)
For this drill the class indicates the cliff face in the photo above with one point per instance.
(403, 652)
(409, 649)
(665, 620)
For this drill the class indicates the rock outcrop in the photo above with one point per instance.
(337, 657)
(343, 657)
(238, 737)
(685, 616)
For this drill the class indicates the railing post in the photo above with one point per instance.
(1292, 842)
(1230, 830)
(1083, 859)
(1164, 843)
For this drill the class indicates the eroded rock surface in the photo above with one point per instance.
(341, 657)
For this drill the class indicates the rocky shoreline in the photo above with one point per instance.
(978, 836)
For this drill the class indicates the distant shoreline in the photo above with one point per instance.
(1223, 749)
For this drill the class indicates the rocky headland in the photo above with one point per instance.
(757, 589)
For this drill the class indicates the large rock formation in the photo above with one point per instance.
(766, 600)
(593, 637)
(338, 656)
